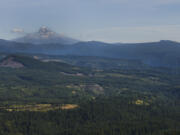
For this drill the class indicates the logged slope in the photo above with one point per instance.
(32, 63)
(11, 62)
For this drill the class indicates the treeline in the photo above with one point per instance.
(111, 116)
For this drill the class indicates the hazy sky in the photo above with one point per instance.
(103, 20)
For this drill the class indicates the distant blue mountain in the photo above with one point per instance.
(163, 53)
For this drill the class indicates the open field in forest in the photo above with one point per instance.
(39, 107)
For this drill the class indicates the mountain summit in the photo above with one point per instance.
(45, 36)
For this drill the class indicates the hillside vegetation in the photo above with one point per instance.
(53, 98)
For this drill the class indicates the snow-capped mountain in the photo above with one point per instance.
(45, 36)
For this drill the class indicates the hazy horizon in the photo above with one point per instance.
(100, 20)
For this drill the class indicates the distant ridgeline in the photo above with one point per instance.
(158, 54)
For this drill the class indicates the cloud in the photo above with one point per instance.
(17, 30)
